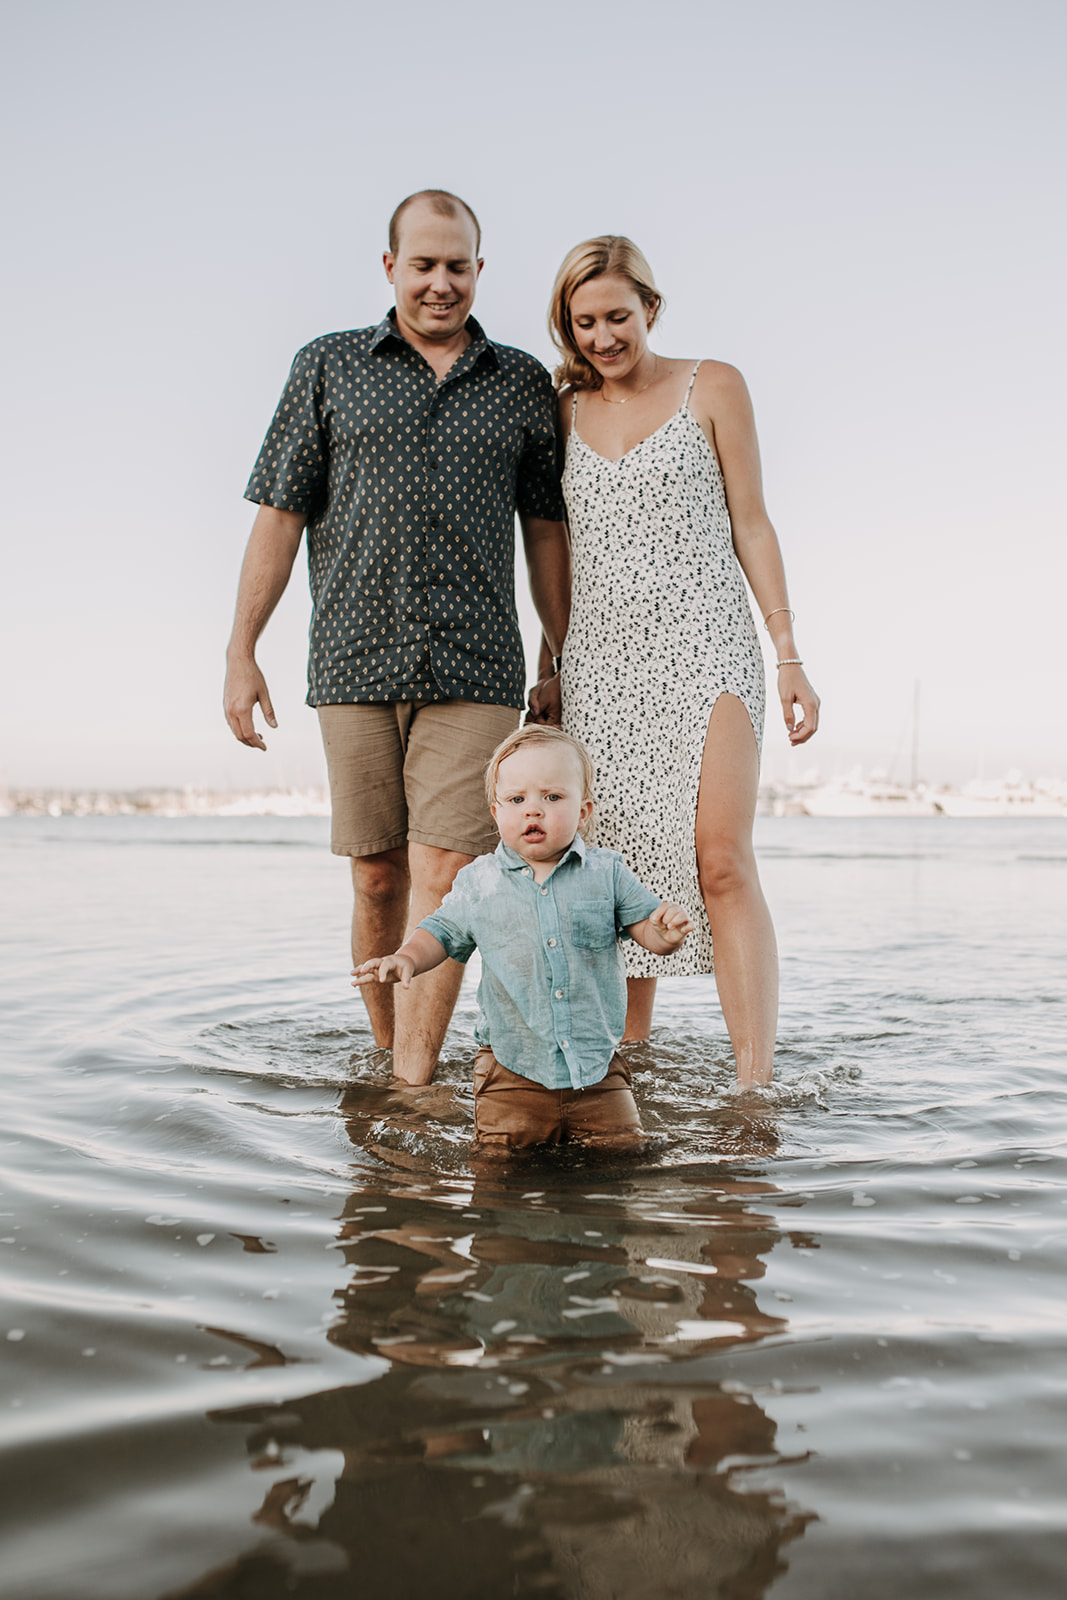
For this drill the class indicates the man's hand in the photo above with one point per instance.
(245, 687)
(397, 968)
(671, 923)
(546, 702)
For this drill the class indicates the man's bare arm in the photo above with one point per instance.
(268, 563)
(548, 562)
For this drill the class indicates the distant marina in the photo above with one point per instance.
(874, 794)
(855, 794)
(189, 801)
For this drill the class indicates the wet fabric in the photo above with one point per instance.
(511, 1111)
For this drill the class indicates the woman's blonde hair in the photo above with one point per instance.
(612, 252)
(540, 733)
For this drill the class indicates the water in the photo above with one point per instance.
(270, 1332)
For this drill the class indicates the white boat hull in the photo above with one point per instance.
(1002, 805)
(866, 800)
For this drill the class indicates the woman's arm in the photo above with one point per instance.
(722, 406)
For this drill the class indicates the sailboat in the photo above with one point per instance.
(874, 794)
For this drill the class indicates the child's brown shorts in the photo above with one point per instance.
(514, 1112)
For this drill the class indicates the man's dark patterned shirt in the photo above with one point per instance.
(410, 489)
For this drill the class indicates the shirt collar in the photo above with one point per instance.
(479, 345)
(511, 861)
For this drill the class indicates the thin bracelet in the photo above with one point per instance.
(790, 661)
(774, 613)
(557, 663)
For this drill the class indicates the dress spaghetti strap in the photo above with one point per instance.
(692, 380)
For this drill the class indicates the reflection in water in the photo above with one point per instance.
(550, 1421)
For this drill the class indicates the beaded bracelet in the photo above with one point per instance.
(791, 661)
(774, 613)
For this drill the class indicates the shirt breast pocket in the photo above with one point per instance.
(592, 924)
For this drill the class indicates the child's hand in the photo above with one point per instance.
(396, 968)
(671, 923)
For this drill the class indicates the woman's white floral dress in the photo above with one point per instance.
(660, 627)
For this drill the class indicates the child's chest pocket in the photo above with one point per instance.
(592, 924)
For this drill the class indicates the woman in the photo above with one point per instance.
(662, 674)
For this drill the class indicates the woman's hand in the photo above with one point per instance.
(397, 968)
(794, 690)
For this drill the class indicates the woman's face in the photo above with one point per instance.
(610, 324)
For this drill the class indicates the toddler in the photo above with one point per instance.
(546, 912)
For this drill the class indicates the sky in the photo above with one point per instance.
(858, 204)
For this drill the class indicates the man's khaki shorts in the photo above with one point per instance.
(406, 771)
(515, 1113)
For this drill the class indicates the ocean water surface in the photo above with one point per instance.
(269, 1330)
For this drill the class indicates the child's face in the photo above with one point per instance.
(539, 806)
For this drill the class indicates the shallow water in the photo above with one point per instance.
(270, 1333)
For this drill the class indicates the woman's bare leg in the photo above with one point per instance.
(640, 998)
(746, 956)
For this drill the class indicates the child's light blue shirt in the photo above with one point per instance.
(553, 989)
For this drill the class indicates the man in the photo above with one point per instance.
(406, 450)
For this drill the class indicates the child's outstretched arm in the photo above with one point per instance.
(664, 931)
(421, 953)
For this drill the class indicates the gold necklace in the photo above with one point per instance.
(609, 401)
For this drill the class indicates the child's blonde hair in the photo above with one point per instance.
(540, 733)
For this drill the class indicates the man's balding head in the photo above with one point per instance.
(433, 265)
(439, 201)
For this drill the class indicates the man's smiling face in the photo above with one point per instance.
(434, 272)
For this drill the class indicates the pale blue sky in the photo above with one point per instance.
(860, 204)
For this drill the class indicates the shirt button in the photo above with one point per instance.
(433, 463)
(551, 944)
(544, 891)
(433, 522)
(564, 1044)
(559, 994)
(526, 872)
